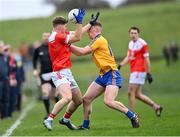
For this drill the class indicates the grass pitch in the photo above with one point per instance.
(106, 122)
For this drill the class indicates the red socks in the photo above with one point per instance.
(67, 115)
(52, 115)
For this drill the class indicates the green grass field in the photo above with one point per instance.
(107, 122)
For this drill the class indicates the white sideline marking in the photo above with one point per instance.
(19, 120)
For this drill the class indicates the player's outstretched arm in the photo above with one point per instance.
(86, 28)
(79, 51)
(92, 20)
(77, 35)
(123, 62)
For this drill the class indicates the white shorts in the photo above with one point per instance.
(64, 76)
(137, 78)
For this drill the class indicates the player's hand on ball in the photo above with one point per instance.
(94, 18)
(80, 16)
(149, 78)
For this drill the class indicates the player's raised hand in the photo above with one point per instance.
(80, 16)
(94, 18)
(149, 78)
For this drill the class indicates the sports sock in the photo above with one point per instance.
(130, 114)
(86, 123)
(51, 116)
(67, 115)
(46, 104)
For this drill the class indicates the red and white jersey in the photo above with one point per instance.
(59, 50)
(137, 51)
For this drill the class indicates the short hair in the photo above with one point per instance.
(97, 24)
(59, 20)
(134, 28)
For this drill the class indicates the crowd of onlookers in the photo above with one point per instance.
(11, 79)
(13, 65)
(170, 53)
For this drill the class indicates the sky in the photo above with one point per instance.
(115, 3)
(23, 9)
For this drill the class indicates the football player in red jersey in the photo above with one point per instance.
(138, 57)
(59, 50)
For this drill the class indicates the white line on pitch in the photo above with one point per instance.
(19, 120)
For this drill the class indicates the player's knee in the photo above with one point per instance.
(108, 102)
(86, 99)
(137, 95)
(68, 98)
(45, 89)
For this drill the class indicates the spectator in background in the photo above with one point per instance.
(166, 54)
(32, 47)
(20, 77)
(4, 83)
(23, 50)
(6, 79)
(174, 49)
(13, 81)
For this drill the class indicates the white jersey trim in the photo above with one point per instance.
(146, 55)
(52, 36)
(137, 45)
(68, 36)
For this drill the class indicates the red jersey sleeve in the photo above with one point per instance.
(145, 50)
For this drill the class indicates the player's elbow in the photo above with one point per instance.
(78, 37)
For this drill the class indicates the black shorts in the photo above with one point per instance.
(49, 81)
